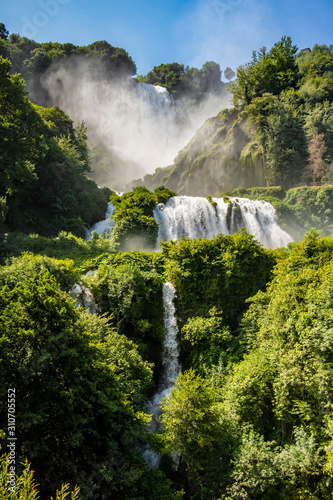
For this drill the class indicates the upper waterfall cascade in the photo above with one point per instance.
(159, 100)
(157, 128)
(195, 217)
(136, 121)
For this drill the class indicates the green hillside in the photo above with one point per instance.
(222, 155)
(280, 131)
(250, 414)
(44, 165)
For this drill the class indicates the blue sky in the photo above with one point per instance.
(188, 32)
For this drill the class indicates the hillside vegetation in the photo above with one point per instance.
(255, 326)
(279, 133)
(44, 186)
(222, 155)
(251, 415)
(298, 209)
(33, 60)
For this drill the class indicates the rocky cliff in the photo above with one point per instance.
(222, 155)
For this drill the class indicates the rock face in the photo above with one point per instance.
(84, 298)
(222, 155)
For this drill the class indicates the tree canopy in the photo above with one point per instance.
(44, 162)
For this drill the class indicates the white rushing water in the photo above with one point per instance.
(195, 217)
(137, 121)
(103, 227)
(84, 298)
(157, 111)
(171, 365)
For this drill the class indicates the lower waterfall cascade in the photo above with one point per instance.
(170, 363)
(196, 217)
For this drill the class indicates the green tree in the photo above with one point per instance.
(256, 472)
(135, 227)
(53, 352)
(3, 32)
(25, 486)
(166, 75)
(221, 272)
(44, 162)
(268, 72)
(211, 73)
(208, 338)
(319, 61)
(281, 135)
(264, 470)
(192, 429)
(21, 143)
(189, 404)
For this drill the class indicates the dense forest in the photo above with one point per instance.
(44, 162)
(32, 60)
(250, 415)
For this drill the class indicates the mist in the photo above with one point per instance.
(133, 128)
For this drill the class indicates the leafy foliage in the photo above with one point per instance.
(268, 72)
(53, 352)
(33, 60)
(186, 82)
(44, 162)
(255, 418)
(208, 338)
(135, 227)
(221, 272)
(284, 94)
(192, 428)
(129, 286)
(25, 486)
(65, 245)
(271, 407)
(281, 135)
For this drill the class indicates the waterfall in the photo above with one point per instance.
(157, 129)
(84, 298)
(170, 351)
(135, 121)
(170, 363)
(103, 227)
(157, 99)
(195, 217)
